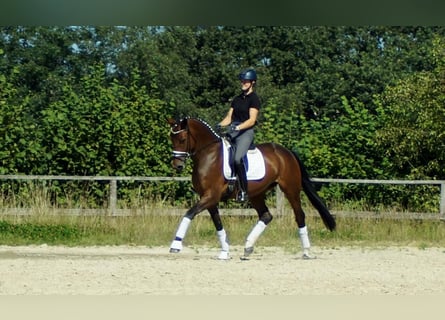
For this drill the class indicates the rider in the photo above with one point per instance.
(242, 117)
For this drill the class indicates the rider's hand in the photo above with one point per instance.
(233, 128)
(218, 128)
(232, 132)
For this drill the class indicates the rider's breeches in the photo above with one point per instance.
(243, 142)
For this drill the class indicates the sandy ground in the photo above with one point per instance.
(121, 270)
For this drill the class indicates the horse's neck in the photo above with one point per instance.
(208, 158)
(203, 136)
(207, 148)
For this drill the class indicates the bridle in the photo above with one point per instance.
(184, 155)
(181, 155)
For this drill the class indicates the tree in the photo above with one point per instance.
(19, 136)
(413, 114)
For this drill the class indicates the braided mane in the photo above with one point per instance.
(204, 123)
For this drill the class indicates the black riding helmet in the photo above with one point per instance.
(248, 74)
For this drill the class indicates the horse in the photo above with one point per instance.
(195, 139)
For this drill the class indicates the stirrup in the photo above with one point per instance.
(231, 184)
(242, 196)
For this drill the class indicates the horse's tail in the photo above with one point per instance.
(311, 193)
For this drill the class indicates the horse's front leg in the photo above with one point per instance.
(220, 232)
(204, 203)
(176, 245)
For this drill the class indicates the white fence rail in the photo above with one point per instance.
(112, 207)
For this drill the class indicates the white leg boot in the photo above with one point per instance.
(222, 236)
(305, 243)
(253, 236)
(176, 245)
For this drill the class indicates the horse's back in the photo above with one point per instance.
(271, 149)
(278, 158)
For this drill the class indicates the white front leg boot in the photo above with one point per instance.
(176, 245)
(222, 236)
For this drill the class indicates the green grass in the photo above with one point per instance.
(158, 230)
(148, 225)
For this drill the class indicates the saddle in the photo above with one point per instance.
(253, 160)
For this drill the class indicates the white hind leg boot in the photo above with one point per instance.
(176, 245)
(222, 236)
(305, 243)
(253, 236)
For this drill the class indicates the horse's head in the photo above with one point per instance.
(180, 141)
(190, 136)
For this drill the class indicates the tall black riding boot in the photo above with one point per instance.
(241, 173)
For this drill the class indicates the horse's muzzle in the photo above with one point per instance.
(178, 165)
(178, 162)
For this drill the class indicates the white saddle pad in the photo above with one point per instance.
(256, 167)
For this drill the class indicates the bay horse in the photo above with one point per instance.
(194, 138)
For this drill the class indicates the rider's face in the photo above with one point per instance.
(246, 85)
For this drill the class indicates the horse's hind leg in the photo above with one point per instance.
(294, 199)
(264, 219)
(221, 233)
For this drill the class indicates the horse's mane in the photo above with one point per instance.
(203, 122)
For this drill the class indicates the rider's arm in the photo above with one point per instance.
(253, 114)
(228, 119)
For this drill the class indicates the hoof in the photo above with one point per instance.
(307, 256)
(176, 246)
(224, 255)
(247, 252)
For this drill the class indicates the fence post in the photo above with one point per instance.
(442, 199)
(113, 197)
(280, 201)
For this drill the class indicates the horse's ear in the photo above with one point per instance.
(171, 121)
